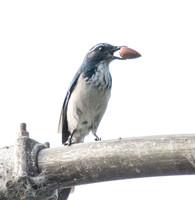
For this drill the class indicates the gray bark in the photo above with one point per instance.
(30, 171)
(117, 159)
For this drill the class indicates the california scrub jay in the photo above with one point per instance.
(88, 95)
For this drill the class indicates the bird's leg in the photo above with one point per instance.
(94, 130)
(96, 137)
(70, 139)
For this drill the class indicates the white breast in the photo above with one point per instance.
(88, 102)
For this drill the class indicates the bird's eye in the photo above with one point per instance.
(101, 48)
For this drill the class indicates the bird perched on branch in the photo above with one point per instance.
(89, 92)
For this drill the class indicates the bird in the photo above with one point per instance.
(88, 94)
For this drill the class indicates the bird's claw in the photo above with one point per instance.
(98, 139)
(69, 142)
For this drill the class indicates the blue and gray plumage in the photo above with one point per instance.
(88, 95)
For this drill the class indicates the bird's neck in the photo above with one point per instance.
(101, 77)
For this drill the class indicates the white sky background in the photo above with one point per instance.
(43, 43)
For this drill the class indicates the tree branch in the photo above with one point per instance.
(117, 159)
(30, 171)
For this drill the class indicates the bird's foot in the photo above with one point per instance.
(69, 142)
(97, 138)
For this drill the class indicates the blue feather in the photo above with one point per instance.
(63, 124)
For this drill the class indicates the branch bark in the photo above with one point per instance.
(28, 171)
(117, 159)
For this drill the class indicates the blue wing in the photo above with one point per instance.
(63, 124)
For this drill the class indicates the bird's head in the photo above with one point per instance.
(105, 52)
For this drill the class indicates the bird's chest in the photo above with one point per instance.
(91, 95)
(101, 78)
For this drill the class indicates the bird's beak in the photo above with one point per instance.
(131, 53)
